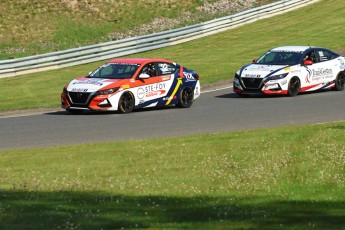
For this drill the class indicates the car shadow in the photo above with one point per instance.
(236, 96)
(99, 113)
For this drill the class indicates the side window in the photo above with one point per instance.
(150, 69)
(326, 55)
(166, 68)
(311, 57)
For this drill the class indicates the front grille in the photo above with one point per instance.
(79, 97)
(252, 83)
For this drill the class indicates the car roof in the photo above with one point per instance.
(293, 48)
(137, 60)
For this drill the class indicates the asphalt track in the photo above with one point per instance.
(215, 111)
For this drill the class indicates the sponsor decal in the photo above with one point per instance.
(189, 76)
(154, 87)
(307, 78)
(141, 93)
(272, 85)
(89, 81)
(252, 75)
(152, 90)
(287, 69)
(321, 73)
(283, 82)
(342, 63)
(169, 98)
(289, 51)
(125, 86)
(259, 68)
(164, 68)
(79, 90)
(155, 93)
(165, 78)
(197, 92)
(120, 63)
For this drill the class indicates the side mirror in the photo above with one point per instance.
(255, 60)
(308, 62)
(144, 76)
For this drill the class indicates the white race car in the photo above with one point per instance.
(289, 70)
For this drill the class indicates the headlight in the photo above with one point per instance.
(237, 76)
(107, 91)
(276, 77)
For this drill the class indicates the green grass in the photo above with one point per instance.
(282, 178)
(215, 58)
(28, 28)
(288, 178)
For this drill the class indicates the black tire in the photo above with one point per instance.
(186, 96)
(294, 86)
(75, 111)
(126, 103)
(340, 81)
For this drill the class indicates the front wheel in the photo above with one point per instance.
(126, 103)
(294, 86)
(340, 81)
(186, 96)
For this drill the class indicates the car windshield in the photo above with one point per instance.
(280, 58)
(115, 71)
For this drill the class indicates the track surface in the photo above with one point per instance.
(214, 111)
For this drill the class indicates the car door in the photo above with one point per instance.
(321, 70)
(328, 65)
(154, 81)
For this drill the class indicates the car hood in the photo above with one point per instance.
(91, 84)
(260, 71)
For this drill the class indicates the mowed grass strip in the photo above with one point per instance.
(287, 178)
(216, 58)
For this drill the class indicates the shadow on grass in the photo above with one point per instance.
(82, 210)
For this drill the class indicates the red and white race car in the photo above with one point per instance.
(132, 83)
(289, 70)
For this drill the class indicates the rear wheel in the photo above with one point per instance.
(294, 86)
(340, 81)
(186, 96)
(126, 103)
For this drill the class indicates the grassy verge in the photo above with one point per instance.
(287, 178)
(215, 57)
(28, 28)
